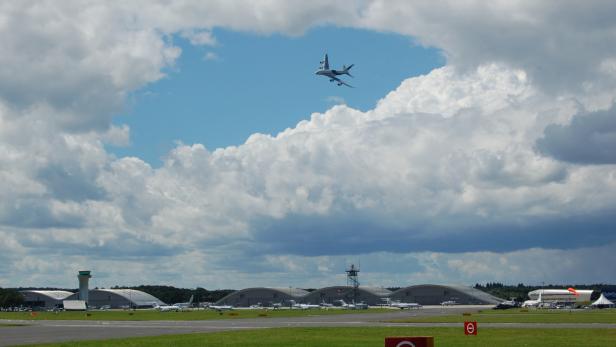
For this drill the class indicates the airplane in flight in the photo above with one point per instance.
(324, 70)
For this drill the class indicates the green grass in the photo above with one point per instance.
(357, 337)
(523, 316)
(140, 315)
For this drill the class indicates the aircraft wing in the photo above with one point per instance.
(341, 82)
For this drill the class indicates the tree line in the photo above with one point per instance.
(10, 298)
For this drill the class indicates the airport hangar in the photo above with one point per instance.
(114, 298)
(425, 294)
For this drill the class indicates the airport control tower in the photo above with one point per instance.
(84, 278)
(353, 279)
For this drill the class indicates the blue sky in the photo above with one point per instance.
(265, 84)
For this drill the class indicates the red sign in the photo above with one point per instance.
(410, 341)
(470, 328)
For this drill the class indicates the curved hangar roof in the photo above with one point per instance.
(45, 298)
(368, 295)
(117, 298)
(433, 294)
(262, 295)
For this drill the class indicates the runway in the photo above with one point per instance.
(58, 331)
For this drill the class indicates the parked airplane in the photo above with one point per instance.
(185, 304)
(353, 306)
(324, 70)
(449, 303)
(507, 305)
(533, 303)
(563, 296)
(166, 308)
(343, 304)
(403, 305)
(221, 307)
(325, 305)
(295, 305)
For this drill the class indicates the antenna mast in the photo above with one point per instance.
(353, 279)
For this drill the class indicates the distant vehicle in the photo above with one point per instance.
(105, 307)
(449, 303)
(505, 305)
(324, 70)
(276, 305)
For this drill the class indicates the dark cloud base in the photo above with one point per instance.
(588, 139)
(313, 236)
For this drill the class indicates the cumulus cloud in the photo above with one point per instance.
(475, 160)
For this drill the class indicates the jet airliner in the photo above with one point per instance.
(324, 70)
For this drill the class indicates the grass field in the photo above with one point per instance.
(184, 315)
(523, 316)
(357, 337)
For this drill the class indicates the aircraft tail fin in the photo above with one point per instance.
(345, 69)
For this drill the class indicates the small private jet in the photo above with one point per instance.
(505, 305)
(324, 70)
(405, 305)
(295, 305)
(166, 308)
(220, 308)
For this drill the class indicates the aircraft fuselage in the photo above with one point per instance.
(329, 73)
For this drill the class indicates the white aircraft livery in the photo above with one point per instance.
(324, 70)
(570, 295)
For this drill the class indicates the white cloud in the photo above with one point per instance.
(211, 56)
(446, 157)
(199, 38)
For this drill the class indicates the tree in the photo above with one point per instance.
(10, 298)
